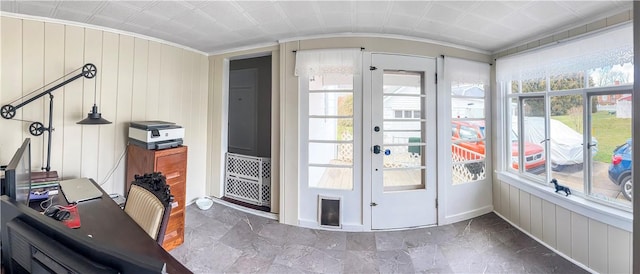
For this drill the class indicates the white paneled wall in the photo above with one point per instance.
(601, 247)
(137, 80)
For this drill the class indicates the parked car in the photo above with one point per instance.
(620, 169)
(474, 147)
(566, 143)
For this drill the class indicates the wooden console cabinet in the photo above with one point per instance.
(172, 163)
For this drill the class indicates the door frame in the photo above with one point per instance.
(367, 141)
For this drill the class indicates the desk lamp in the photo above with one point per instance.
(8, 111)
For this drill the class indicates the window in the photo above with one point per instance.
(569, 115)
(468, 81)
(406, 114)
(328, 83)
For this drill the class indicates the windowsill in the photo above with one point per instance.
(609, 215)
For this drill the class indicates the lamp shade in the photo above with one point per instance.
(94, 118)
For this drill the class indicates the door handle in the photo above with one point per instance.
(376, 149)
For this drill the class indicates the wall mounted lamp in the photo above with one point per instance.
(8, 111)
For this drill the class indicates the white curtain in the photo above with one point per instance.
(600, 50)
(466, 71)
(318, 62)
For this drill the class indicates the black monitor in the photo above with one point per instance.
(17, 175)
(56, 247)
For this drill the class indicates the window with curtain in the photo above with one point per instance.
(572, 101)
(468, 81)
(329, 81)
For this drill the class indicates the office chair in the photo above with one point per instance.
(149, 204)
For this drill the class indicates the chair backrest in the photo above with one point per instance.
(149, 204)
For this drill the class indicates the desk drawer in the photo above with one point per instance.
(174, 235)
(171, 163)
(179, 195)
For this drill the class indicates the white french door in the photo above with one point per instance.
(403, 140)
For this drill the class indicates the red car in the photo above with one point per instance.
(474, 148)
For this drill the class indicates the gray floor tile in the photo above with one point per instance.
(223, 239)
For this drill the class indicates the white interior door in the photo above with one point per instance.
(403, 141)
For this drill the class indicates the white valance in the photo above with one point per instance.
(601, 50)
(318, 62)
(466, 71)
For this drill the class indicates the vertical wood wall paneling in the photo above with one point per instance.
(580, 238)
(72, 155)
(153, 80)
(32, 79)
(619, 250)
(108, 94)
(139, 89)
(54, 69)
(497, 197)
(504, 198)
(525, 211)
(514, 205)
(275, 132)
(90, 138)
(186, 92)
(199, 168)
(169, 101)
(598, 246)
(536, 217)
(549, 223)
(194, 118)
(563, 230)
(10, 85)
(123, 111)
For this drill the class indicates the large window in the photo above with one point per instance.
(569, 108)
(329, 84)
(467, 81)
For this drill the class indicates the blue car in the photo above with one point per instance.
(620, 169)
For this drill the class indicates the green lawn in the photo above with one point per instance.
(606, 128)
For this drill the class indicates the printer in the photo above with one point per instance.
(155, 134)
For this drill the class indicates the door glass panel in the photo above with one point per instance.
(402, 156)
(402, 107)
(468, 151)
(331, 134)
(565, 129)
(610, 162)
(467, 108)
(334, 154)
(331, 129)
(331, 103)
(402, 137)
(330, 177)
(414, 125)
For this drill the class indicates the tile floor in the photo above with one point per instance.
(223, 239)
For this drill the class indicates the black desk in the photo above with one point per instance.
(104, 221)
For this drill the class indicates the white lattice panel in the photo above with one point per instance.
(248, 179)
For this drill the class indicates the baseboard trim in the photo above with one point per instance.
(466, 215)
(268, 215)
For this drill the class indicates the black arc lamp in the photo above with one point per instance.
(8, 111)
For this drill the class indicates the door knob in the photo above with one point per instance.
(376, 149)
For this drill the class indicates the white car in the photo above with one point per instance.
(566, 143)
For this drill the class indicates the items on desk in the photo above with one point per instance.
(68, 215)
(119, 199)
(42, 190)
(79, 190)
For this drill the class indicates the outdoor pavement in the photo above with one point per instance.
(572, 176)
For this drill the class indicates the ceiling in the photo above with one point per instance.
(223, 25)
